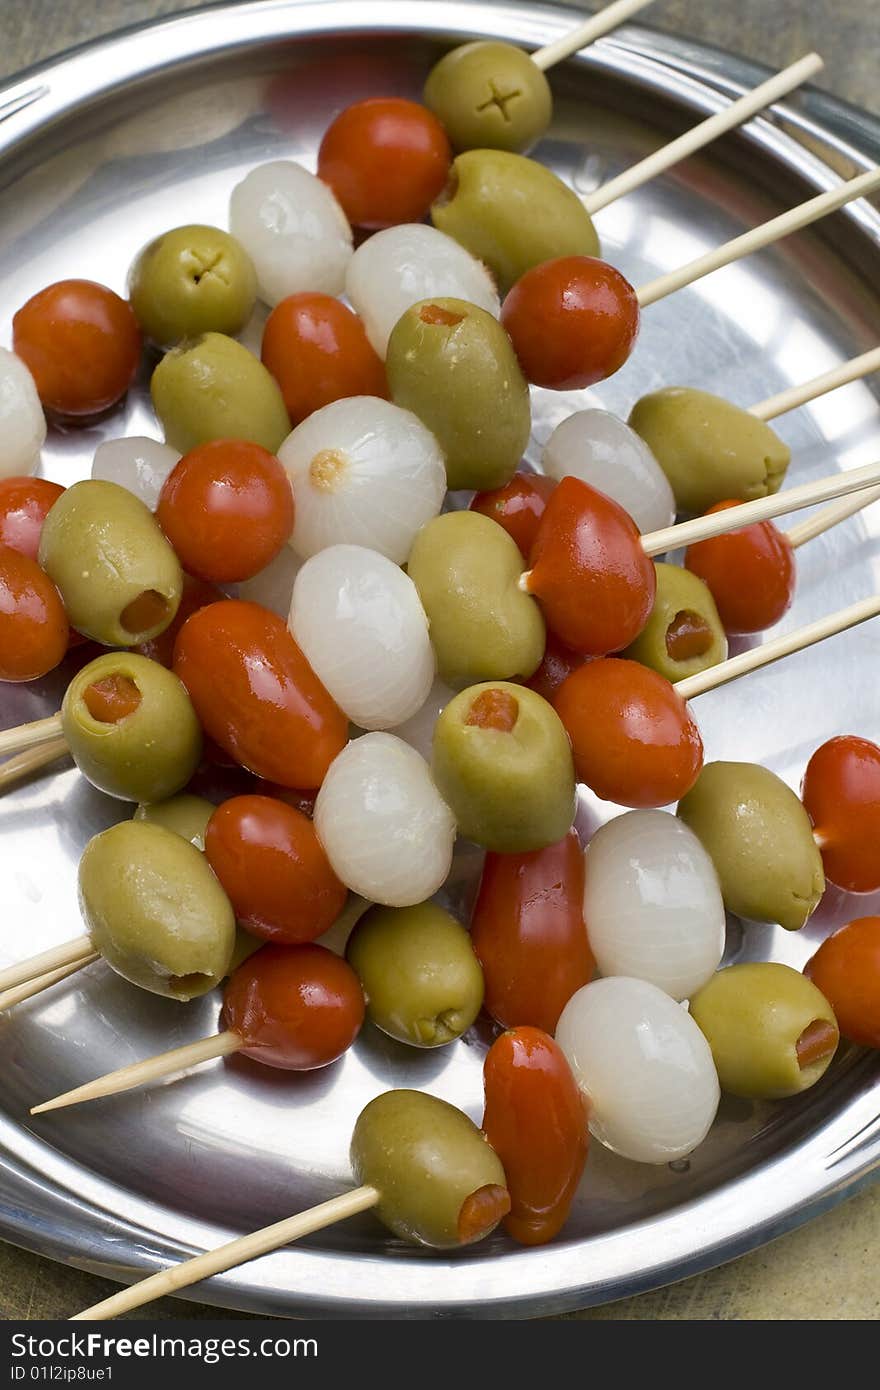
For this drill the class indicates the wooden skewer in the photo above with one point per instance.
(759, 237)
(703, 528)
(152, 1069)
(31, 760)
(29, 735)
(10, 997)
(795, 396)
(778, 647)
(831, 516)
(52, 959)
(235, 1252)
(587, 32)
(736, 113)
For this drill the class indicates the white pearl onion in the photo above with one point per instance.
(602, 450)
(418, 731)
(386, 829)
(402, 265)
(652, 903)
(138, 464)
(22, 422)
(644, 1067)
(272, 587)
(363, 629)
(292, 228)
(363, 472)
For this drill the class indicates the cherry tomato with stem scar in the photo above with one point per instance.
(24, 506)
(841, 791)
(572, 321)
(846, 969)
(273, 869)
(81, 343)
(386, 159)
(318, 352)
(227, 509)
(536, 1121)
(518, 506)
(34, 630)
(294, 1007)
(751, 574)
(632, 736)
(589, 572)
(257, 696)
(528, 932)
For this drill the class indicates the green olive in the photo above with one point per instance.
(759, 837)
(213, 388)
(502, 761)
(513, 213)
(771, 1031)
(184, 814)
(489, 96)
(131, 727)
(483, 627)
(454, 366)
(684, 634)
(155, 911)
(710, 450)
(423, 983)
(433, 1169)
(192, 280)
(103, 549)
(188, 817)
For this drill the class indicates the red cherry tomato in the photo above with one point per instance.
(633, 739)
(196, 594)
(318, 352)
(573, 322)
(557, 664)
(33, 624)
(296, 1007)
(518, 506)
(841, 791)
(257, 696)
(536, 1121)
(751, 574)
(528, 932)
(81, 343)
(594, 582)
(24, 506)
(273, 869)
(386, 160)
(227, 508)
(846, 968)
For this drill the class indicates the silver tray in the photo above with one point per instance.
(120, 139)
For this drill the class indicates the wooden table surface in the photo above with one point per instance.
(831, 1267)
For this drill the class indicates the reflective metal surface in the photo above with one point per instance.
(97, 153)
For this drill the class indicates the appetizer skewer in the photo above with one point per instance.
(565, 340)
(490, 94)
(430, 1174)
(751, 574)
(711, 451)
(633, 738)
